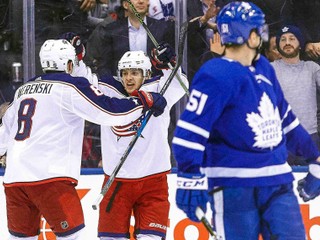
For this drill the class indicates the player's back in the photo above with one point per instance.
(45, 137)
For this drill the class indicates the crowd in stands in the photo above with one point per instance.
(109, 28)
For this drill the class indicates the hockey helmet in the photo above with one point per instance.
(137, 60)
(55, 55)
(236, 20)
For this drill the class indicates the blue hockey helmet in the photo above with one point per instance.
(236, 20)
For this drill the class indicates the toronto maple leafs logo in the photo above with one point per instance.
(285, 29)
(129, 129)
(266, 124)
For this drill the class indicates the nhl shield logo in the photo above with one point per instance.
(64, 225)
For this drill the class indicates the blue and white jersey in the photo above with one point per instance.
(237, 126)
(42, 130)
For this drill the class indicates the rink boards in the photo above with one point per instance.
(180, 227)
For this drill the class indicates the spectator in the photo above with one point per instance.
(41, 133)
(216, 49)
(108, 43)
(100, 13)
(270, 50)
(307, 18)
(200, 32)
(162, 9)
(299, 81)
(54, 17)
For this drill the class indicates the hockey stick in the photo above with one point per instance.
(105, 188)
(202, 217)
(154, 41)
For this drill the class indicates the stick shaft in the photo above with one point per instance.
(202, 217)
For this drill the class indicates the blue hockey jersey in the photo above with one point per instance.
(237, 127)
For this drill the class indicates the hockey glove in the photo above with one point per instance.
(76, 42)
(163, 57)
(3, 161)
(309, 187)
(192, 193)
(151, 101)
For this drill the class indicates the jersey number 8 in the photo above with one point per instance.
(25, 114)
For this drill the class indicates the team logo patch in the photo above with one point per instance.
(266, 124)
(224, 28)
(64, 224)
(129, 129)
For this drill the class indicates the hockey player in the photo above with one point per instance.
(42, 132)
(234, 135)
(141, 185)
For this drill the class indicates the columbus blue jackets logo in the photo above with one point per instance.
(129, 129)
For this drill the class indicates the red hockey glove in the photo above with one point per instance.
(76, 42)
(151, 101)
(163, 57)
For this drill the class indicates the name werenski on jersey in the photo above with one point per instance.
(266, 125)
(43, 88)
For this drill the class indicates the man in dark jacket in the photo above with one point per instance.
(109, 42)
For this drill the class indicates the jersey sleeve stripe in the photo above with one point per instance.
(286, 113)
(188, 144)
(193, 128)
(314, 169)
(267, 171)
(291, 126)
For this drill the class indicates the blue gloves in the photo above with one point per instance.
(163, 57)
(192, 193)
(309, 187)
(151, 101)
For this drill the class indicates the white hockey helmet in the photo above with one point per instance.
(137, 60)
(55, 55)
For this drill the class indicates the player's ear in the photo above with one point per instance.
(148, 74)
(254, 39)
(70, 67)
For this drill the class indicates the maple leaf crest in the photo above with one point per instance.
(266, 124)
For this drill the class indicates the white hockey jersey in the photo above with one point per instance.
(151, 153)
(42, 130)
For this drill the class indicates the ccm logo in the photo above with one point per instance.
(192, 183)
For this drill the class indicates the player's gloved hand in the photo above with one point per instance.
(76, 42)
(163, 57)
(151, 101)
(3, 161)
(309, 187)
(192, 193)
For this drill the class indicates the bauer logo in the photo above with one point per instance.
(157, 225)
